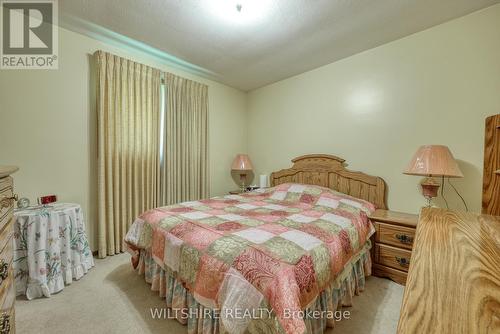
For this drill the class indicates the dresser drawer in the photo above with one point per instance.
(6, 246)
(8, 296)
(392, 257)
(396, 275)
(398, 236)
(6, 207)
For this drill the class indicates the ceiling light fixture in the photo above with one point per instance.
(247, 11)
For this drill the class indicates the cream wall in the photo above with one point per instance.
(48, 126)
(375, 108)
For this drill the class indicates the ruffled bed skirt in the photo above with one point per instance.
(201, 320)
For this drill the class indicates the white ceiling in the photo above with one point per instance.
(268, 40)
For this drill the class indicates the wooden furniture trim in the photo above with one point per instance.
(491, 172)
(396, 275)
(395, 218)
(329, 171)
(7, 170)
(453, 283)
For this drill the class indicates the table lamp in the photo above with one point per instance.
(432, 161)
(243, 166)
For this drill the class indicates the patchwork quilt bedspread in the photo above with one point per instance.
(278, 247)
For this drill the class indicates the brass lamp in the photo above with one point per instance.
(243, 166)
(433, 161)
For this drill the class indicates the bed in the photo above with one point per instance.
(279, 260)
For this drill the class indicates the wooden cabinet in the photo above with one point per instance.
(491, 173)
(393, 243)
(7, 288)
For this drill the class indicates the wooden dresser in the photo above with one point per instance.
(7, 288)
(393, 242)
(453, 284)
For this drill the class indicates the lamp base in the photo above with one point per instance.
(243, 187)
(430, 189)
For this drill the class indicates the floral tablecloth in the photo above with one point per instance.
(50, 249)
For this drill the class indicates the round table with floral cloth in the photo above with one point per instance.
(50, 248)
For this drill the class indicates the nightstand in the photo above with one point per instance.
(393, 242)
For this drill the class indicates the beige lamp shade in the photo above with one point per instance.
(241, 163)
(433, 160)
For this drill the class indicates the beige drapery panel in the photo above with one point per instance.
(128, 113)
(185, 172)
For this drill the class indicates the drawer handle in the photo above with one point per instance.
(4, 323)
(7, 201)
(403, 262)
(4, 270)
(404, 239)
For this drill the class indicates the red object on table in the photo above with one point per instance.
(47, 199)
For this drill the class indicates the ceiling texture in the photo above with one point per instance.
(267, 40)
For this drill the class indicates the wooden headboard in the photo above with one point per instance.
(329, 171)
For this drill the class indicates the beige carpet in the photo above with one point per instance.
(112, 298)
